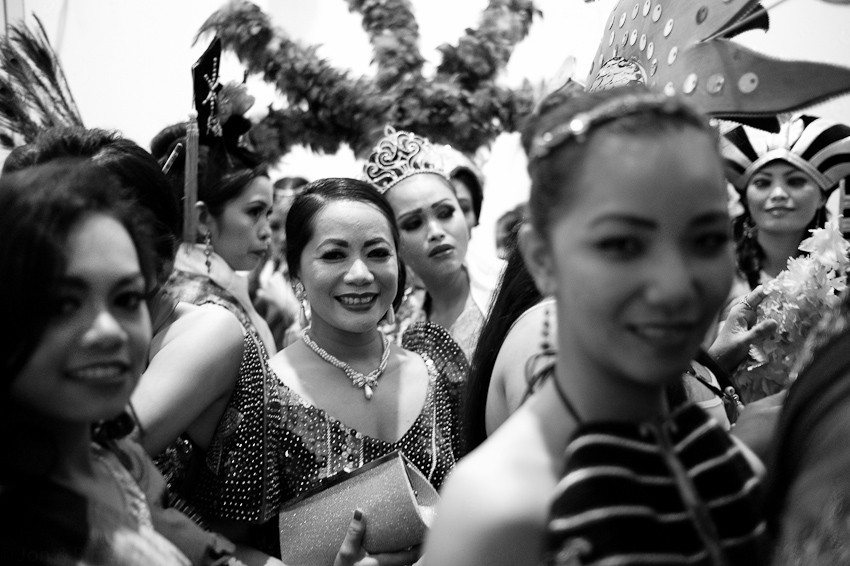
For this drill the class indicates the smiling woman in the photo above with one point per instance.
(784, 181)
(628, 231)
(367, 395)
(79, 268)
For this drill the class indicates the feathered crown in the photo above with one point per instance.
(683, 47)
(816, 146)
(399, 155)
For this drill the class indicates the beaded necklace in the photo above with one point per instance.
(368, 382)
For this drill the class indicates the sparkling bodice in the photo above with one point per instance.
(316, 445)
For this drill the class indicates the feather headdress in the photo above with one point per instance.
(34, 93)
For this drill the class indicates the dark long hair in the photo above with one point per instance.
(39, 206)
(516, 293)
(225, 168)
(136, 170)
(317, 195)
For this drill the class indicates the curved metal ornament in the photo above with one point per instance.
(721, 78)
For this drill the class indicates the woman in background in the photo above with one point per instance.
(407, 169)
(783, 181)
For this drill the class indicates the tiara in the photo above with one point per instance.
(400, 155)
(817, 146)
(578, 126)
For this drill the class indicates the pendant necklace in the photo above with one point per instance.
(368, 382)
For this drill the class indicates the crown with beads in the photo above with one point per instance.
(683, 47)
(817, 146)
(400, 155)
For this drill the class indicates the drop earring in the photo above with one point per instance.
(301, 295)
(208, 250)
(389, 318)
(545, 345)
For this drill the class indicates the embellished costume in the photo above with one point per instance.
(466, 328)
(316, 445)
(684, 48)
(238, 476)
(677, 491)
(47, 523)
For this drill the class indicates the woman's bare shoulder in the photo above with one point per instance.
(493, 507)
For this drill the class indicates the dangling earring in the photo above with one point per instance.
(751, 231)
(389, 318)
(301, 295)
(545, 345)
(208, 250)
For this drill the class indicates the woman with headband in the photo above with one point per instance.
(629, 232)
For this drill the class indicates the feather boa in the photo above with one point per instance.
(796, 299)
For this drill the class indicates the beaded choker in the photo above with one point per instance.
(368, 382)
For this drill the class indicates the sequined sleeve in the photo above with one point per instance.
(433, 342)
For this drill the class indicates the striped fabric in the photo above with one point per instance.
(674, 493)
(817, 146)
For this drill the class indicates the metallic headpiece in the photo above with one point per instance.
(817, 146)
(399, 155)
(578, 126)
(683, 47)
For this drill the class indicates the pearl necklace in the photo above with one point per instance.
(368, 382)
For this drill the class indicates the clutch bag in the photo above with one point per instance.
(397, 501)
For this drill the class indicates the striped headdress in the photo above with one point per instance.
(817, 146)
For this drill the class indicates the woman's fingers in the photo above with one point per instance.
(352, 545)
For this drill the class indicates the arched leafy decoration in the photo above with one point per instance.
(461, 104)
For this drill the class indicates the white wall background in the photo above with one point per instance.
(128, 62)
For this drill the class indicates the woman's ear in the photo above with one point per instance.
(538, 259)
(203, 218)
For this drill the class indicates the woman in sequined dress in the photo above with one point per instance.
(407, 169)
(349, 395)
(629, 231)
(208, 402)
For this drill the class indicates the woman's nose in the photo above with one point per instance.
(436, 231)
(265, 230)
(778, 192)
(359, 273)
(105, 332)
(672, 282)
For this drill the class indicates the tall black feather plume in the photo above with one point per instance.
(34, 93)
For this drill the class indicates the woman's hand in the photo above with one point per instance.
(740, 330)
(351, 553)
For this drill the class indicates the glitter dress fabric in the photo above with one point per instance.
(238, 477)
(316, 446)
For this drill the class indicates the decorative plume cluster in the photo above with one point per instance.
(34, 93)
(797, 299)
(325, 107)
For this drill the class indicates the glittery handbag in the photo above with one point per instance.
(397, 501)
